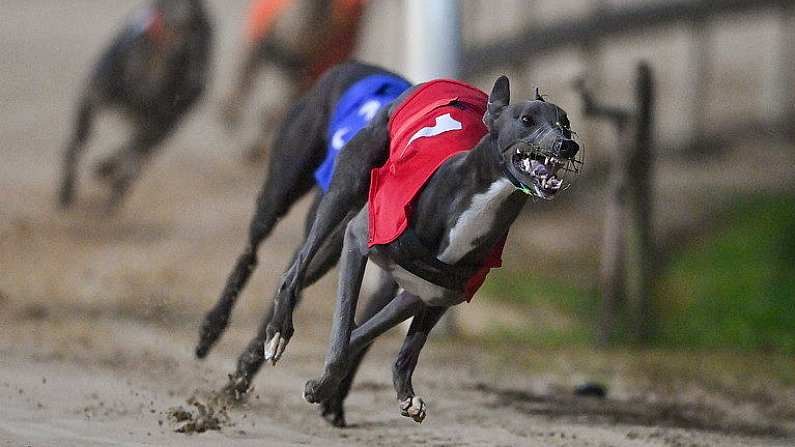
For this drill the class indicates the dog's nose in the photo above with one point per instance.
(568, 148)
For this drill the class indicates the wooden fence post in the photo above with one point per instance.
(700, 60)
(627, 264)
(786, 66)
(640, 246)
(612, 270)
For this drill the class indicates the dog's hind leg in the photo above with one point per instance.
(425, 319)
(300, 151)
(85, 118)
(332, 409)
(347, 192)
(234, 103)
(273, 203)
(252, 358)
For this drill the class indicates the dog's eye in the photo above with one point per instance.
(564, 123)
(527, 120)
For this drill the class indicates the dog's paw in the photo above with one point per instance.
(317, 391)
(333, 413)
(414, 408)
(275, 346)
(280, 329)
(65, 199)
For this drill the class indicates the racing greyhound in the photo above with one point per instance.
(314, 131)
(435, 235)
(154, 72)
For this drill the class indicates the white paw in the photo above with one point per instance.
(275, 348)
(413, 407)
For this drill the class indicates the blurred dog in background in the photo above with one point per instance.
(154, 72)
(302, 39)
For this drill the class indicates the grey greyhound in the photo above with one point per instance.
(459, 216)
(154, 72)
(307, 135)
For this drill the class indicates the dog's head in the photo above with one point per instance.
(534, 139)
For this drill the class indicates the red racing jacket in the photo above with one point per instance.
(438, 120)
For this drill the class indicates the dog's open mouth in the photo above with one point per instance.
(543, 170)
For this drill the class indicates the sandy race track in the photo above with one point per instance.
(98, 314)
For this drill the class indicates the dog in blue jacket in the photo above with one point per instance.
(314, 131)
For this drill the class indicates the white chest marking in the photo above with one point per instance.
(476, 221)
(444, 123)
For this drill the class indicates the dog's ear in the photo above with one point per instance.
(538, 96)
(499, 98)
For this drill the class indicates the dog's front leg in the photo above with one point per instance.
(397, 310)
(348, 191)
(127, 164)
(411, 405)
(244, 81)
(401, 308)
(251, 360)
(351, 272)
(85, 117)
(332, 409)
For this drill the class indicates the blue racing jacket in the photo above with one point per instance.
(355, 108)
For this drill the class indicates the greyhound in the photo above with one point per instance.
(449, 230)
(154, 72)
(313, 132)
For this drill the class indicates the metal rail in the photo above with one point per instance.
(603, 24)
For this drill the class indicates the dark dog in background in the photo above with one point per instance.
(455, 223)
(153, 73)
(313, 131)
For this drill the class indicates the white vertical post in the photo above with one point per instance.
(433, 37)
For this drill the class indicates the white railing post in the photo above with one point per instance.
(433, 45)
(433, 39)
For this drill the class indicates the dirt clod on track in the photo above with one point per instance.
(208, 415)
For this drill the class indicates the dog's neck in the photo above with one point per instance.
(468, 205)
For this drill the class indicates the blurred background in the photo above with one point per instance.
(668, 270)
